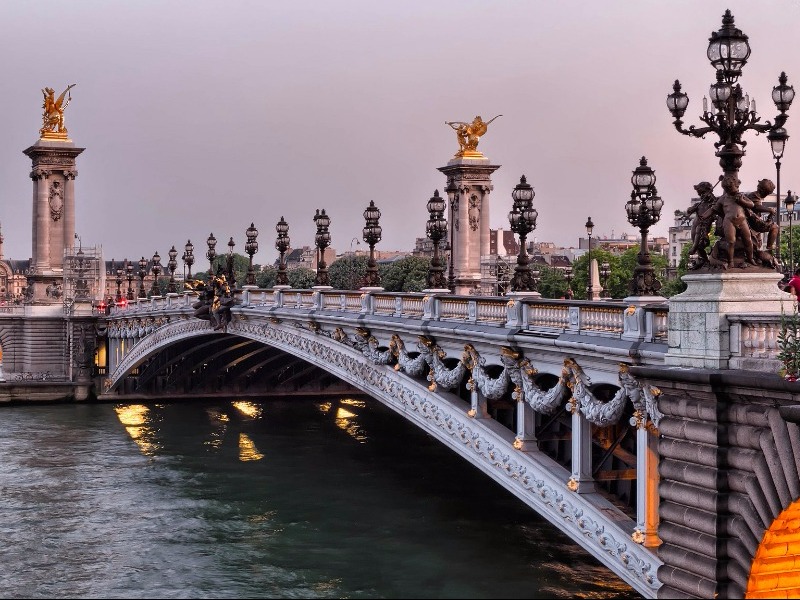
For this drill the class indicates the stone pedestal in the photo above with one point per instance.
(699, 331)
(468, 217)
(53, 174)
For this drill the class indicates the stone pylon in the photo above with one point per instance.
(468, 218)
(53, 174)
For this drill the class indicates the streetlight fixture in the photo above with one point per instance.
(644, 210)
(118, 298)
(372, 235)
(605, 271)
(568, 277)
(322, 239)
(452, 196)
(230, 272)
(172, 265)
(589, 228)
(436, 230)
(282, 245)
(211, 253)
(777, 143)
(156, 269)
(523, 220)
(251, 247)
(732, 112)
(188, 257)
(142, 275)
(129, 275)
(790, 202)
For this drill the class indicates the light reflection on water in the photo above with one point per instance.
(346, 500)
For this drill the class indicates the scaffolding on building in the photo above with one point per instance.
(83, 274)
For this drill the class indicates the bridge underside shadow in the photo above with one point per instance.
(224, 365)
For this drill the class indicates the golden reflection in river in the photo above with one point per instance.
(247, 449)
(219, 421)
(249, 409)
(346, 420)
(136, 419)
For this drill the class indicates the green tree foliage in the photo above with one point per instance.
(627, 263)
(347, 273)
(405, 275)
(677, 286)
(552, 283)
(301, 278)
(240, 264)
(267, 277)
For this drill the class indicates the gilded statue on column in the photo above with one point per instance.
(53, 116)
(469, 134)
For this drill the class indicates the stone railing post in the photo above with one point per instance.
(646, 532)
(277, 298)
(525, 439)
(367, 303)
(514, 316)
(581, 480)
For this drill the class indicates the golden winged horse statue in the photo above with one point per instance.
(53, 116)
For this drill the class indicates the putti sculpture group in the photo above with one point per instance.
(739, 221)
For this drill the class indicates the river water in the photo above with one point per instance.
(328, 498)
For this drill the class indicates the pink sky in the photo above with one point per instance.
(204, 116)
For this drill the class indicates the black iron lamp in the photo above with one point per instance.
(251, 247)
(172, 265)
(452, 196)
(732, 112)
(790, 201)
(605, 271)
(644, 211)
(188, 257)
(282, 246)
(142, 275)
(372, 235)
(436, 230)
(129, 276)
(156, 269)
(322, 239)
(589, 289)
(211, 253)
(523, 220)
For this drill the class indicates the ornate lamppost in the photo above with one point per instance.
(372, 235)
(436, 229)
(790, 202)
(282, 246)
(732, 112)
(188, 258)
(119, 298)
(322, 239)
(211, 253)
(568, 277)
(777, 143)
(129, 276)
(523, 220)
(172, 265)
(589, 289)
(142, 275)
(230, 271)
(605, 271)
(452, 196)
(156, 270)
(644, 210)
(251, 247)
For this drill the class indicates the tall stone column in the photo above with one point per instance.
(470, 228)
(53, 173)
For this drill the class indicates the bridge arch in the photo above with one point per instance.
(532, 476)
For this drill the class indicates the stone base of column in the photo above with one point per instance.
(45, 289)
(699, 331)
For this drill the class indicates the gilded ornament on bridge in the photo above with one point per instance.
(53, 127)
(469, 134)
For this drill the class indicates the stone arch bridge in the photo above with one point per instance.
(683, 481)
